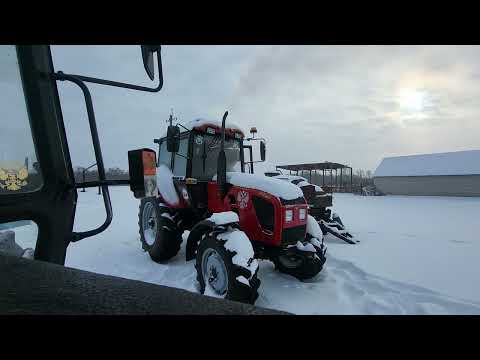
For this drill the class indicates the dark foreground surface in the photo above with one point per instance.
(34, 287)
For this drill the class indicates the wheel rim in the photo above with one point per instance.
(149, 223)
(214, 271)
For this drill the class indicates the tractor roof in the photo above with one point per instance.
(201, 124)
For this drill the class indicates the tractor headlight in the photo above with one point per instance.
(288, 215)
(302, 214)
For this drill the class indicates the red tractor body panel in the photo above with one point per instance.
(239, 200)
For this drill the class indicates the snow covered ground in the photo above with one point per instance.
(417, 255)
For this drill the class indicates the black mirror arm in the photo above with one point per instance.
(98, 156)
(255, 139)
(188, 130)
(120, 84)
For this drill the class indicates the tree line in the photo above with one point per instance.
(360, 177)
(114, 173)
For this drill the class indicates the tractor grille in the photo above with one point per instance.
(265, 212)
(291, 235)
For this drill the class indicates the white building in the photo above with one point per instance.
(445, 174)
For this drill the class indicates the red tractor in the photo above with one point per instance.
(233, 217)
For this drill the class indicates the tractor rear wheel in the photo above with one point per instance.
(298, 265)
(219, 275)
(158, 232)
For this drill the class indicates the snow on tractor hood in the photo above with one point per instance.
(200, 122)
(278, 188)
(289, 177)
(304, 181)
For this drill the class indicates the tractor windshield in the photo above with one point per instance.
(205, 154)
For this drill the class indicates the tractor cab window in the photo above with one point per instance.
(19, 168)
(180, 161)
(205, 154)
(164, 157)
(18, 238)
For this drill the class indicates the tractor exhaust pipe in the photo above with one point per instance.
(222, 163)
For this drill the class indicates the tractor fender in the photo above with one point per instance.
(197, 233)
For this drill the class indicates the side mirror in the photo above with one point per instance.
(147, 55)
(142, 171)
(173, 138)
(263, 150)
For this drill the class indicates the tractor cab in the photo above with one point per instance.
(196, 149)
(191, 152)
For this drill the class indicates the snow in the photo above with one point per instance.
(26, 233)
(313, 228)
(417, 255)
(29, 254)
(223, 218)
(289, 177)
(278, 188)
(315, 242)
(307, 247)
(201, 121)
(212, 293)
(242, 279)
(449, 163)
(165, 185)
(167, 215)
(303, 183)
(237, 241)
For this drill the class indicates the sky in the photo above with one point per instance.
(347, 104)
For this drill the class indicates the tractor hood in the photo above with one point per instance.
(279, 188)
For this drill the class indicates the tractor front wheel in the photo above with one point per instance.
(220, 276)
(158, 232)
(298, 265)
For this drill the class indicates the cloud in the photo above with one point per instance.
(312, 103)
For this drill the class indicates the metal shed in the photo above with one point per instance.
(327, 170)
(442, 174)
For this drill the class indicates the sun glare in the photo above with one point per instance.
(412, 100)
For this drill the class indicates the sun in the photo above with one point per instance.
(412, 100)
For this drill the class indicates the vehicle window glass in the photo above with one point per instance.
(19, 168)
(205, 154)
(180, 165)
(164, 157)
(18, 238)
